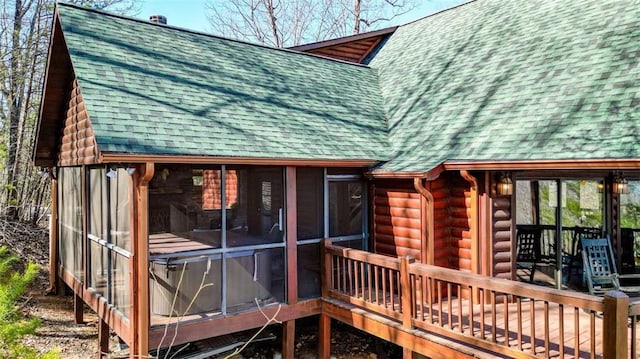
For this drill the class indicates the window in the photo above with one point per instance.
(70, 218)
(109, 239)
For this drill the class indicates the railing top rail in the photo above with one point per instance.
(370, 258)
(505, 286)
(509, 287)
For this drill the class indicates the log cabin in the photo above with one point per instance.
(200, 184)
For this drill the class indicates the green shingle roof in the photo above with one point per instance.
(152, 89)
(489, 80)
(513, 80)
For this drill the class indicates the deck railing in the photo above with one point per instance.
(502, 316)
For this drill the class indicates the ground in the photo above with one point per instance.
(71, 340)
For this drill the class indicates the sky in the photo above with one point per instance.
(191, 14)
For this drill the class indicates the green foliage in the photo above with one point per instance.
(13, 326)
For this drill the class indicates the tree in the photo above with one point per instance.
(24, 31)
(283, 23)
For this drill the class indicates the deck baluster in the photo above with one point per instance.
(505, 309)
(519, 315)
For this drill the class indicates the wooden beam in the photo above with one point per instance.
(216, 326)
(140, 290)
(324, 337)
(391, 331)
(78, 309)
(291, 231)
(288, 339)
(103, 339)
(292, 235)
(85, 228)
(53, 237)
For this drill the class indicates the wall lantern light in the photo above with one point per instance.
(504, 186)
(620, 184)
(112, 173)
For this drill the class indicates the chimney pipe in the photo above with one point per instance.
(158, 19)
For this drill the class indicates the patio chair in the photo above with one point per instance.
(573, 259)
(528, 244)
(600, 267)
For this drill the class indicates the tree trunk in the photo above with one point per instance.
(273, 21)
(14, 114)
(356, 16)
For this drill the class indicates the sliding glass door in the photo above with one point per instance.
(558, 212)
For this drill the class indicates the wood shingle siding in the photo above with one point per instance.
(78, 144)
(353, 52)
(397, 227)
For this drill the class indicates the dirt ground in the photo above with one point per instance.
(73, 341)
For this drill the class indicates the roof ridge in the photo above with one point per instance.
(438, 12)
(201, 33)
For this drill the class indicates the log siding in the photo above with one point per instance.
(78, 145)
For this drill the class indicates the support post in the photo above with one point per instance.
(324, 337)
(78, 309)
(140, 284)
(53, 238)
(103, 339)
(291, 236)
(325, 274)
(614, 326)
(288, 339)
(405, 284)
(291, 232)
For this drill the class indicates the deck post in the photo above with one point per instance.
(324, 337)
(288, 339)
(140, 284)
(289, 327)
(324, 329)
(614, 326)
(78, 309)
(103, 338)
(54, 281)
(405, 285)
(325, 275)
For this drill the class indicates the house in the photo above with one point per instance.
(194, 177)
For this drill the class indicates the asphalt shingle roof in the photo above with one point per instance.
(485, 81)
(513, 80)
(152, 89)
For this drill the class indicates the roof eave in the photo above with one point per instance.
(513, 165)
(34, 151)
(107, 157)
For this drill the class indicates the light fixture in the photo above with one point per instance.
(112, 173)
(620, 184)
(601, 187)
(504, 186)
(131, 171)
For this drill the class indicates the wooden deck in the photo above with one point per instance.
(492, 316)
